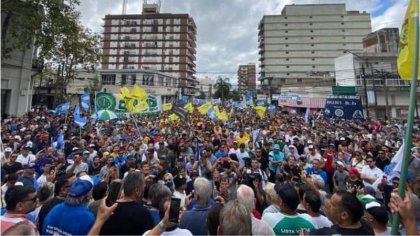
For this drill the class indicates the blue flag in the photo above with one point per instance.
(212, 114)
(62, 108)
(80, 121)
(85, 101)
(60, 140)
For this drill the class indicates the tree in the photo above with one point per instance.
(202, 95)
(222, 88)
(235, 95)
(54, 29)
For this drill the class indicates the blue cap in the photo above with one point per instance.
(80, 188)
(276, 147)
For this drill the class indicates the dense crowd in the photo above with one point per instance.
(280, 174)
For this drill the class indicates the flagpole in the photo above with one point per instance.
(409, 129)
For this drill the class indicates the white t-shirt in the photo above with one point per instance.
(241, 156)
(30, 158)
(322, 221)
(176, 231)
(181, 196)
(375, 172)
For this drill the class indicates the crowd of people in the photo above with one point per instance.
(280, 174)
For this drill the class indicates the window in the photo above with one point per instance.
(310, 17)
(312, 37)
(285, 17)
(168, 82)
(313, 52)
(128, 79)
(126, 37)
(287, 66)
(342, 23)
(133, 30)
(286, 31)
(312, 45)
(160, 80)
(313, 59)
(147, 79)
(108, 79)
(287, 52)
(312, 31)
(313, 66)
(286, 38)
(287, 59)
(287, 45)
(285, 24)
(299, 80)
(310, 23)
(343, 30)
(80, 78)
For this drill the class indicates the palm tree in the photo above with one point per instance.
(222, 88)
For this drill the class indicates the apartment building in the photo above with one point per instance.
(297, 48)
(246, 78)
(154, 41)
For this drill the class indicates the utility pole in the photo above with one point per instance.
(384, 79)
(364, 85)
(364, 81)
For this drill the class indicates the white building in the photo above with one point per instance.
(298, 47)
(385, 93)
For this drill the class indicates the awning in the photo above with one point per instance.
(304, 102)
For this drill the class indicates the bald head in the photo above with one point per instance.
(246, 196)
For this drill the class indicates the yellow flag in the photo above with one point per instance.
(138, 92)
(216, 110)
(124, 93)
(203, 109)
(166, 106)
(189, 107)
(408, 42)
(223, 116)
(260, 110)
(136, 105)
(173, 117)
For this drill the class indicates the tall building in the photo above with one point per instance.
(246, 78)
(152, 41)
(298, 47)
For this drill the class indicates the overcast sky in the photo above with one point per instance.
(227, 29)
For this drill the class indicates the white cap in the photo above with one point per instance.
(18, 137)
(8, 149)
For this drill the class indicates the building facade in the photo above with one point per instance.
(246, 78)
(152, 41)
(298, 47)
(385, 40)
(376, 79)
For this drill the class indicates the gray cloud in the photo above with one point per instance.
(226, 29)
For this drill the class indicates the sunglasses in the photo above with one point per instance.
(168, 180)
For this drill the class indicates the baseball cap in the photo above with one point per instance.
(8, 149)
(179, 180)
(276, 147)
(291, 146)
(377, 211)
(309, 142)
(18, 137)
(353, 170)
(332, 145)
(81, 187)
(343, 139)
(106, 153)
(75, 149)
(91, 145)
(311, 146)
(85, 152)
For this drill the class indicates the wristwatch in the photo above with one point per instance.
(162, 225)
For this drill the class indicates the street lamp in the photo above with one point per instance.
(364, 81)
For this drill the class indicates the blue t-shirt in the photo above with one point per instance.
(323, 174)
(275, 157)
(67, 219)
(195, 220)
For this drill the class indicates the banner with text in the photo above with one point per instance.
(344, 107)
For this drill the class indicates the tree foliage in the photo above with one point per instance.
(54, 29)
(222, 88)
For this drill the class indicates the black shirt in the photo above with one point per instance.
(365, 229)
(10, 169)
(129, 218)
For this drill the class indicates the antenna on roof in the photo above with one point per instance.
(124, 9)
